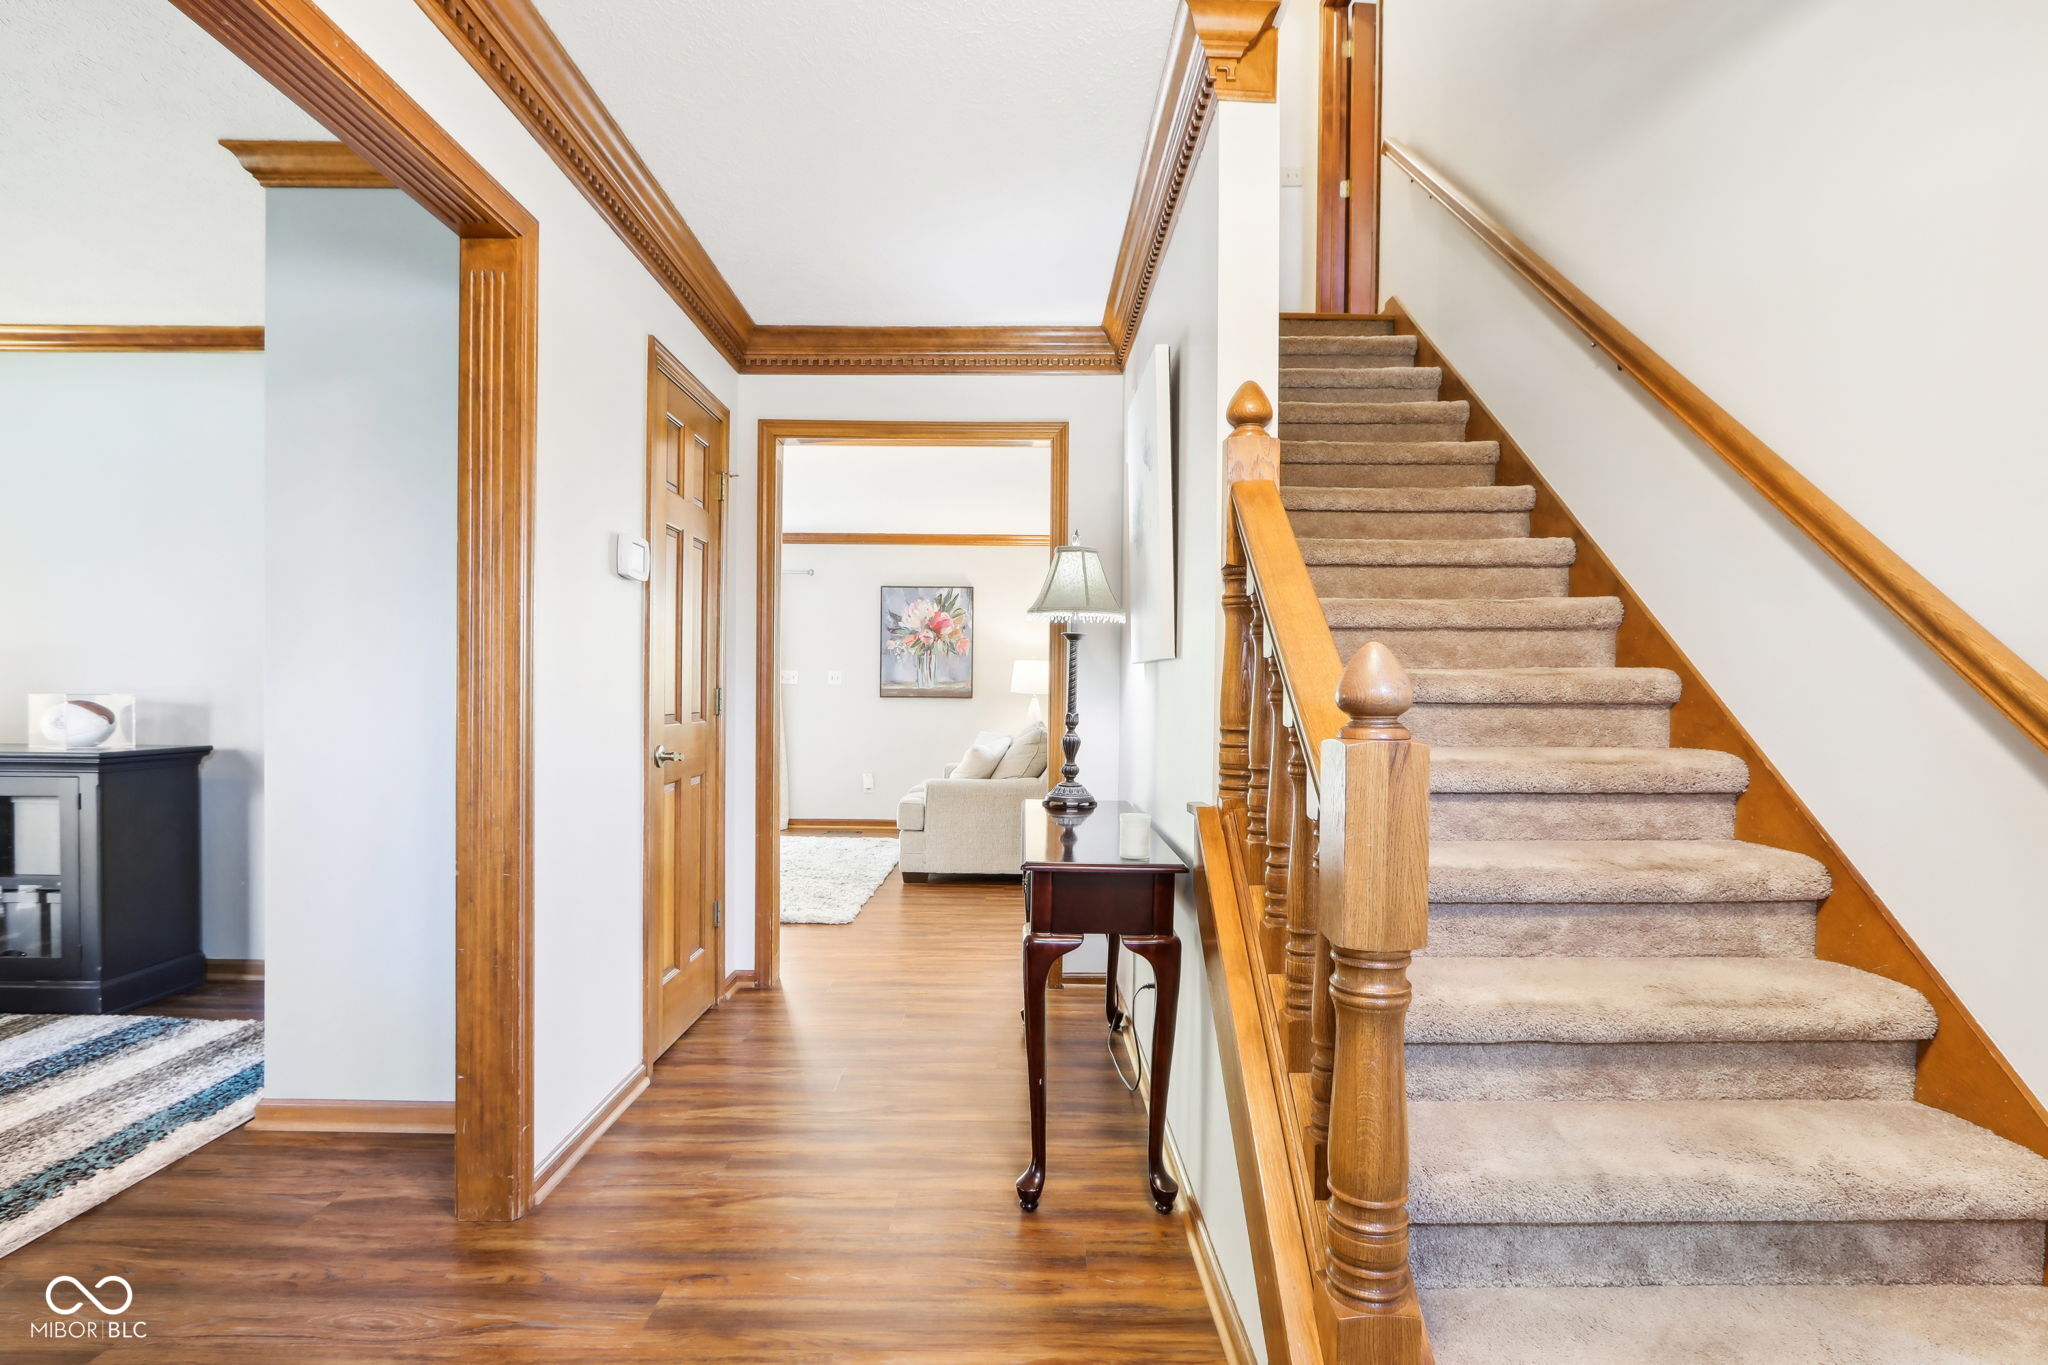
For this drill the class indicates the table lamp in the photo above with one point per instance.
(1076, 590)
(1031, 678)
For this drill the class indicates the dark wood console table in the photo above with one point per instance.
(1075, 884)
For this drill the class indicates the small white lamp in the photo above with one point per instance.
(1076, 589)
(1031, 678)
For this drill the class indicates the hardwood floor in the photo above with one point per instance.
(818, 1174)
(214, 1000)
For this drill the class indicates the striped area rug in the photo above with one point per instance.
(90, 1104)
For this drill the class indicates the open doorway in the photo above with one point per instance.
(477, 242)
(896, 564)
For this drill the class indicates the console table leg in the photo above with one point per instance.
(1164, 955)
(1040, 952)
(1116, 1016)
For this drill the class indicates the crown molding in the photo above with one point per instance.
(928, 350)
(306, 165)
(511, 46)
(1187, 97)
(103, 337)
(518, 55)
(1241, 46)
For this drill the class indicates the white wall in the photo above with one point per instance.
(1759, 191)
(831, 623)
(360, 647)
(132, 561)
(598, 306)
(1091, 405)
(1216, 303)
(1300, 94)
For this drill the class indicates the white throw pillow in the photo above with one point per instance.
(1026, 754)
(983, 755)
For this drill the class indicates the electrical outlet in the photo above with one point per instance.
(835, 677)
(1290, 177)
(789, 675)
(867, 782)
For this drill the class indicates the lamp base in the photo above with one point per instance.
(1069, 795)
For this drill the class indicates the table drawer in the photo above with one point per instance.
(1080, 902)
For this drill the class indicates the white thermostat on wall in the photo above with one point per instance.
(631, 557)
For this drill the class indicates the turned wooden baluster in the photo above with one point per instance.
(1322, 1056)
(1302, 930)
(1259, 747)
(1280, 790)
(1233, 757)
(1375, 914)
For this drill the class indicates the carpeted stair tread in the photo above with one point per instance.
(1473, 613)
(1618, 872)
(1788, 1324)
(1307, 378)
(1546, 686)
(1299, 452)
(1658, 1000)
(1713, 1161)
(1373, 350)
(1435, 413)
(1485, 497)
(1477, 768)
(1336, 325)
(1547, 551)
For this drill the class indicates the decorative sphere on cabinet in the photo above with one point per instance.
(78, 724)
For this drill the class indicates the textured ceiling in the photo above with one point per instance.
(883, 162)
(118, 203)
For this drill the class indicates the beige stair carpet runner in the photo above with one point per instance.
(1647, 1124)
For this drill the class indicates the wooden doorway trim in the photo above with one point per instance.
(768, 607)
(661, 365)
(294, 46)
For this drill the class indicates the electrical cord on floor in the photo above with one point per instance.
(1130, 1015)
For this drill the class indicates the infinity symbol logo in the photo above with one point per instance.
(50, 1295)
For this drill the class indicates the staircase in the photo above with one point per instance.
(1647, 1123)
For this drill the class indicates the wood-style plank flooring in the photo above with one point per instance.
(817, 1174)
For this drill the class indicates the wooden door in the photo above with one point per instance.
(686, 465)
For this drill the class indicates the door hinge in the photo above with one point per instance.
(1343, 189)
(725, 478)
(1347, 49)
(717, 914)
(717, 701)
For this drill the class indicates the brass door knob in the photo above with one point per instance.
(664, 754)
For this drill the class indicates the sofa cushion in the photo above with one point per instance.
(910, 810)
(983, 755)
(1026, 755)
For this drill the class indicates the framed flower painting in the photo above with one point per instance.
(927, 642)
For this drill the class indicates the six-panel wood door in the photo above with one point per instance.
(685, 808)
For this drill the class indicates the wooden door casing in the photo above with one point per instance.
(684, 753)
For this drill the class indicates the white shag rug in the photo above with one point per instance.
(826, 880)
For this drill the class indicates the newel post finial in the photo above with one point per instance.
(1249, 407)
(1374, 692)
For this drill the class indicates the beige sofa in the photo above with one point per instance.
(969, 827)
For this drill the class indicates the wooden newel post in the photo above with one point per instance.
(1251, 448)
(1374, 909)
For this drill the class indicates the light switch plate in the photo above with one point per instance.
(789, 675)
(632, 559)
(835, 677)
(1290, 177)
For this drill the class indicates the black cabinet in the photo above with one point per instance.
(99, 877)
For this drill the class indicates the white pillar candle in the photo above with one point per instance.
(1133, 835)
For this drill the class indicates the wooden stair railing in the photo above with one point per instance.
(1313, 889)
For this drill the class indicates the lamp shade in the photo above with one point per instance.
(1030, 677)
(1076, 588)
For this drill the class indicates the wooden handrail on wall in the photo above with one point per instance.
(1314, 894)
(1984, 661)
